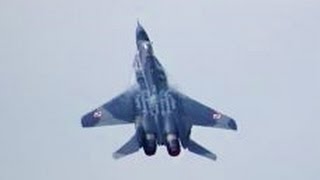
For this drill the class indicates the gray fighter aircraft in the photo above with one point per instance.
(161, 114)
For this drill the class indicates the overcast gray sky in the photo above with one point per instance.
(257, 61)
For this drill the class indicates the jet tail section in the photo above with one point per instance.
(130, 147)
(201, 151)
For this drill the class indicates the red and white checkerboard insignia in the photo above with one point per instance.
(97, 114)
(216, 116)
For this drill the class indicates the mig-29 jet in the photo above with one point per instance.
(161, 115)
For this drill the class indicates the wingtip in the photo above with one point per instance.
(84, 122)
(233, 125)
(117, 156)
(89, 120)
(212, 156)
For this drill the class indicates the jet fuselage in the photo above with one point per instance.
(157, 108)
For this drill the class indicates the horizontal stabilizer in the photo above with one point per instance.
(130, 147)
(198, 149)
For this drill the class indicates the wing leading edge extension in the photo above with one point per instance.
(202, 115)
(120, 110)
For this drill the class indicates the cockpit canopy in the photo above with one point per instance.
(146, 46)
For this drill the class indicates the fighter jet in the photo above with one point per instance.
(161, 115)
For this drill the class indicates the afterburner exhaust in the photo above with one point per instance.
(173, 145)
(149, 144)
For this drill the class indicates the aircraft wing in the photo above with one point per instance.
(202, 115)
(120, 110)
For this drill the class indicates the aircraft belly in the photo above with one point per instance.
(162, 115)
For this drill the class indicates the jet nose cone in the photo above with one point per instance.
(138, 24)
(141, 34)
